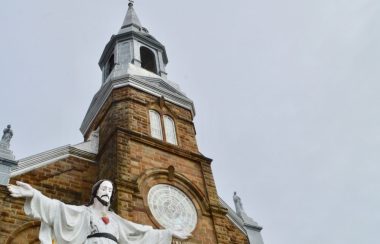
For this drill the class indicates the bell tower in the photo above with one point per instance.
(133, 45)
(147, 141)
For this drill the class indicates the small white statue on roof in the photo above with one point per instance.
(7, 136)
(238, 205)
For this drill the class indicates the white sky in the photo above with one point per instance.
(286, 93)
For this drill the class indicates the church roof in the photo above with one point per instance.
(81, 150)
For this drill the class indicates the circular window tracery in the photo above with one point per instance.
(172, 208)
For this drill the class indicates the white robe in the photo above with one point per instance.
(72, 224)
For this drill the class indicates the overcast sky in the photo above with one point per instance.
(286, 94)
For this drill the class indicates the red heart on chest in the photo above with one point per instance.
(106, 220)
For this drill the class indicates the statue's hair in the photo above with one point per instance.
(95, 189)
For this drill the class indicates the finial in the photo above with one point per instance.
(130, 4)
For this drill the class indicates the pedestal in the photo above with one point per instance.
(7, 161)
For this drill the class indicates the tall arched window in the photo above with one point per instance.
(148, 60)
(155, 124)
(170, 130)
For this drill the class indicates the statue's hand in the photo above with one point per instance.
(180, 234)
(21, 190)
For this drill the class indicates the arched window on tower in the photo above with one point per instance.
(148, 60)
(110, 66)
(170, 130)
(155, 124)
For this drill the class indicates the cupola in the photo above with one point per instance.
(132, 49)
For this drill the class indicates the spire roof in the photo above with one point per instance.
(131, 18)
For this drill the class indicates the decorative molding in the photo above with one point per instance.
(142, 83)
(147, 140)
(45, 158)
(152, 177)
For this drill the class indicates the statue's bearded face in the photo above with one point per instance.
(105, 191)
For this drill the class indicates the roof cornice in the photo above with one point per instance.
(137, 82)
(36, 161)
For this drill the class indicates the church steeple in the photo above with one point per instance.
(133, 50)
(133, 57)
(131, 18)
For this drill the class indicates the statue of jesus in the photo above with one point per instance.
(94, 223)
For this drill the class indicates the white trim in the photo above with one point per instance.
(45, 158)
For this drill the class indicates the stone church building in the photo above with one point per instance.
(139, 133)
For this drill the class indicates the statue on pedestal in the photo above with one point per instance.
(7, 136)
(240, 211)
(87, 224)
(238, 205)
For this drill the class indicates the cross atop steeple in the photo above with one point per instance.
(131, 2)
